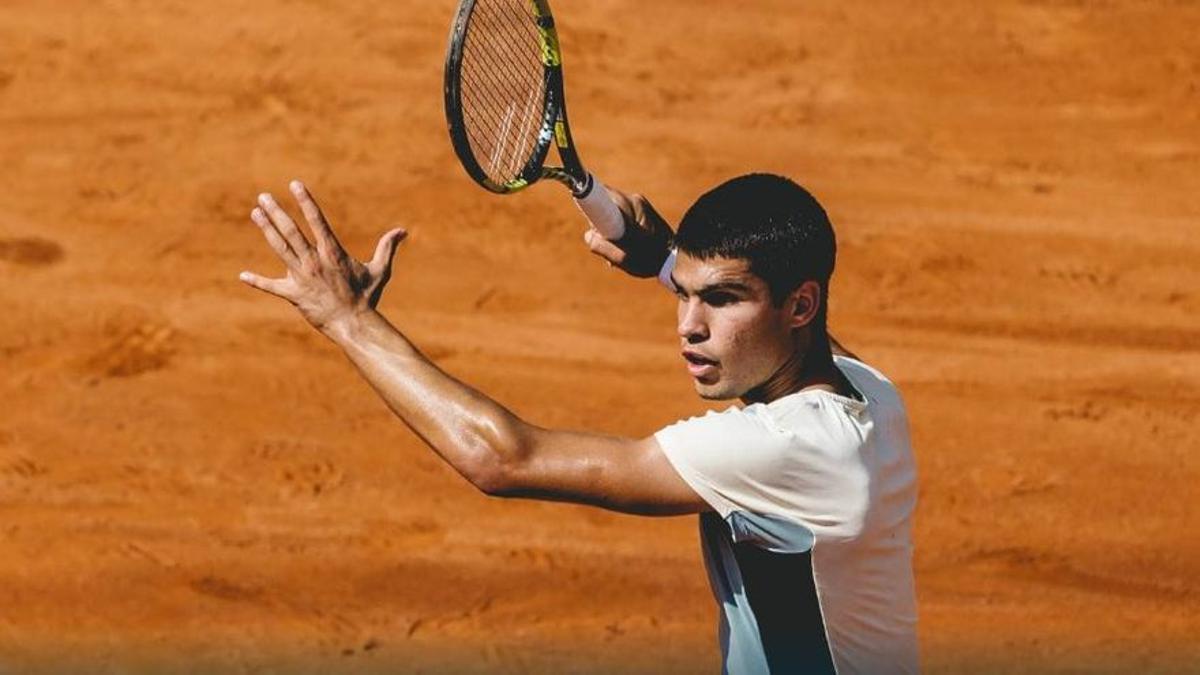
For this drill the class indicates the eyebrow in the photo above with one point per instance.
(720, 286)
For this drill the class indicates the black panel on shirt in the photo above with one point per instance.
(783, 598)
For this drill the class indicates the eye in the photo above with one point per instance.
(720, 299)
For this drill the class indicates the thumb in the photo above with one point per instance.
(385, 251)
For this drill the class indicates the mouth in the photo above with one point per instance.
(699, 366)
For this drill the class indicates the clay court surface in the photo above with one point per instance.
(192, 480)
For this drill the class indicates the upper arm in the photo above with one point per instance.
(621, 474)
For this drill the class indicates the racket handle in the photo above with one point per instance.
(601, 210)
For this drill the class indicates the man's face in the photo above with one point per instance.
(733, 337)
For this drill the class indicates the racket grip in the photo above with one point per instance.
(601, 211)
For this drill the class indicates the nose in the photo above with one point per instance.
(692, 325)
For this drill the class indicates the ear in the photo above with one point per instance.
(803, 303)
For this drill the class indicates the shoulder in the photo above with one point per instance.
(885, 409)
(733, 423)
(734, 435)
(802, 429)
(795, 458)
(868, 380)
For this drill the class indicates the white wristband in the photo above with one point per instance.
(664, 275)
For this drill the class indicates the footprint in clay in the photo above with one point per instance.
(30, 251)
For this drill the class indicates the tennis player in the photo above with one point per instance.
(805, 492)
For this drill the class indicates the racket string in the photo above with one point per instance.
(503, 87)
(495, 77)
(511, 31)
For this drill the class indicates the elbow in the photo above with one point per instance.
(494, 479)
(501, 466)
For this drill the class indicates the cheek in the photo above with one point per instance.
(750, 338)
(759, 342)
(742, 338)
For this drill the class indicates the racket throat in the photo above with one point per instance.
(580, 189)
(578, 186)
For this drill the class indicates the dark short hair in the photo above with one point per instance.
(769, 221)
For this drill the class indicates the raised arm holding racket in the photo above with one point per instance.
(506, 106)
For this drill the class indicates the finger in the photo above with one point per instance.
(639, 205)
(623, 202)
(604, 248)
(652, 218)
(286, 226)
(276, 287)
(385, 251)
(326, 240)
(274, 240)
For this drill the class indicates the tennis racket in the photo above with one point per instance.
(505, 105)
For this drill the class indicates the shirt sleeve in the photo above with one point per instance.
(747, 466)
(727, 457)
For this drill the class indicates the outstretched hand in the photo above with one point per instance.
(324, 282)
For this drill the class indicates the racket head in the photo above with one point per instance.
(503, 92)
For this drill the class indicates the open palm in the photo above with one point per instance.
(324, 282)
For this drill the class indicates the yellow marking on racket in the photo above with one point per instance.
(551, 56)
(560, 134)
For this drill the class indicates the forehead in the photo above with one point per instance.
(695, 273)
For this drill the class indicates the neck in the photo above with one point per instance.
(809, 367)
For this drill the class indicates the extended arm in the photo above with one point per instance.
(490, 446)
(498, 452)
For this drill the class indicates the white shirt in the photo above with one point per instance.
(809, 547)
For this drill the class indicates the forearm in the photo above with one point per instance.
(498, 452)
(474, 434)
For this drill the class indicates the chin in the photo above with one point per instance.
(717, 391)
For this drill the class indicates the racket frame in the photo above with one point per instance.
(555, 129)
